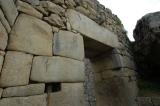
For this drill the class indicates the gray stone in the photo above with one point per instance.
(57, 69)
(68, 44)
(144, 101)
(55, 29)
(55, 20)
(42, 10)
(39, 100)
(4, 21)
(117, 91)
(123, 72)
(1, 90)
(9, 10)
(112, 61)
(58, 1)
(70, 3)
(72, 94)
(3, 37)
(21, 91)
(16, 69)
(28, 9)
(83, 10)
(91, 29)
(36, 38)
(52, 7)
(156, 101)
(33, 2)
(1, 62)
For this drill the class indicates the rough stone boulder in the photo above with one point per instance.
(147, 44)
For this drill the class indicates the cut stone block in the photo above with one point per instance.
(57, 69)
(52, 7)
(36, 38)
(1, 62)
(4, 21)
(28, 9)
(123, 72)
(55, 20)
(9, 10)
(68, 44)
(21, 91)
(39, 100)
(112, 61)
(32, 2)
(90, 29)
(1, 90)
(156, 101)
(145, 101)
(3, 37)
(72, 94)
(16, 69)
(117, 91)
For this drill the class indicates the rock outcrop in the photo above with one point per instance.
(147, 45)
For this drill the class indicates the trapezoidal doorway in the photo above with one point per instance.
(108, 82)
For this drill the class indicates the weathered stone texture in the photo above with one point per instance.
(11, 13)
(52, 7)
(57, 69)
(22, 91)
(83, 25)
(68, 44)
(28, 9)
(72, 94)
(144, 101)
(146, 46)
(39, 100)
(32, 2)
(36, 38)
(1, 90)
(1, 62)
(55, 20)
(3, 37)
(4, 21)
(116, 91)
(16, 69)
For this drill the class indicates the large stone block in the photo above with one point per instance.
(117, 91)
(123, 72)
(68, 44)
(32, 2)
(112, 61)
(31, 35)
(16, 69)
(145, 101)
(4, 21)
(57, 69)
(156, 101)
(3, 37)
(20, 91)
(72, 94)
(28, 9)
(39, 100)
(9, 10)
(91, 29)
(2, 53)
(1, 90)
(52, 7)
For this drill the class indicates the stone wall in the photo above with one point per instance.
(43, 46)
(148, 101)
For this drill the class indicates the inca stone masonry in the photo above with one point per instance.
(64, 53)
